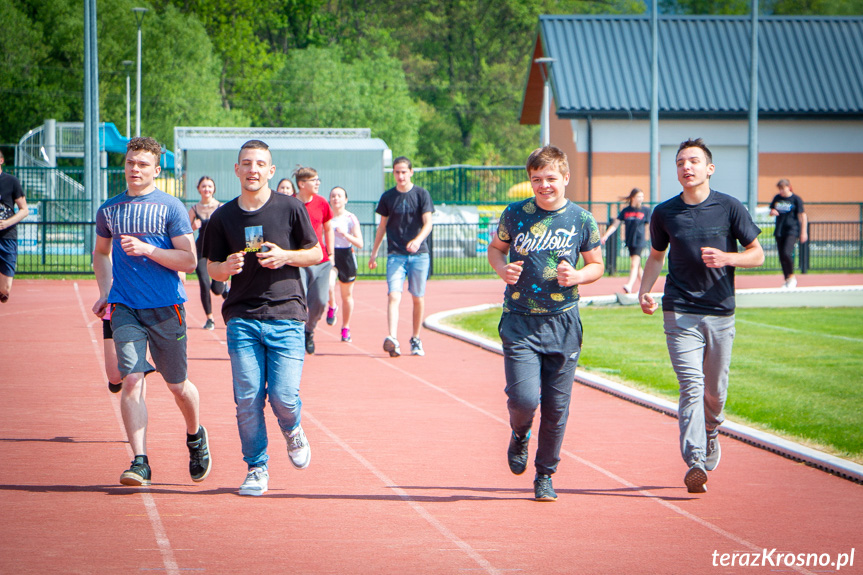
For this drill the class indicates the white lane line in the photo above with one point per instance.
(654, 497)
(159, 532)
(431, 519)
(807, 333)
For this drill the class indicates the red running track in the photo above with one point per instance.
(408, 471)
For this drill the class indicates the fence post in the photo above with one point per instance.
(431, 252)
(611, 255)
(804, 252)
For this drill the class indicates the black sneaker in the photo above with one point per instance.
(714, 452)
(200, 462)
(516, 454)
(115, 387)
(138, 475)
(542, 489)
(209, 325)
(310, 343)
(696, 479)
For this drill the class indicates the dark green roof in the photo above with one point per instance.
(808, 66)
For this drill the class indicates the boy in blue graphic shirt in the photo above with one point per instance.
(143, 239)
(540, 328)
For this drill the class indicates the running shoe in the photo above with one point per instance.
(310, 343)
(200, 462)
(714, 452)
(256, 483)
(331, 315)
(210, 325)
(346, 334)
(542, 489)
(298, 448)
(516, 454)
(417, 346)
(138, 474)
(115, 387)
(391, 346)
(696, 479)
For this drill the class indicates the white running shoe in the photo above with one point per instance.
(256, 483)
(791, 283)
(298, 448)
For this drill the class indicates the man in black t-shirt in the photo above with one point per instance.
(700, 229)
(791, 223)
(260, 240)
(11, 195)
(406, 219)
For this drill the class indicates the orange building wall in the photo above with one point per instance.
(815, 177)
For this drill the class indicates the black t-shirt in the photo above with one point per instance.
(788, 221)
(10, 190)
(258, 292)
(719, 222)
(635, 219)
(404, 212)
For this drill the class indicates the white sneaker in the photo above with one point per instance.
(792, 283)
(256, 483)
(298, 448)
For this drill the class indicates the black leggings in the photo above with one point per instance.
(785, 246)
(206, 284)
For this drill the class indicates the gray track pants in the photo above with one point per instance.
(700, 350)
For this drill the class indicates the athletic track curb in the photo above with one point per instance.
(767, 441)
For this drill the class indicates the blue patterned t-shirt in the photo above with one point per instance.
(154, 218)
(542, 239)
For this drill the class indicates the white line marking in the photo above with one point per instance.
(807, 333)
(431, 519)
(149, 502)
(657, 498)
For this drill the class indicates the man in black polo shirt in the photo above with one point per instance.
(700, 229)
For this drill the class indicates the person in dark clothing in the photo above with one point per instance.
(636, 216)
(791, 224)
(700, 229)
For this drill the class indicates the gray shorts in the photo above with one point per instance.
(163, 328)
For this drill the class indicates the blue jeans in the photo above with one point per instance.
(266, 360)
(413, 266)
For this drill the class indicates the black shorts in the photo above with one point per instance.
(636, 250)
(107, 332)
(346, 264)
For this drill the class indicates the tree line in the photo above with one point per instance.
(438, 80)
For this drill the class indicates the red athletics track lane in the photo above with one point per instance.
(408, 471)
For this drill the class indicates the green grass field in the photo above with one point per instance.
(796, 372)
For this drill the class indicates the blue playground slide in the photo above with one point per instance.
(110, 140)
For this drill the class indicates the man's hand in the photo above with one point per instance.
(567, 276)
(413, 246)
(373, 263)
(512, 271)
(234, 264)
(100, 308)
(714, 258)
(135, 247)
(271, 256)
(648, 304)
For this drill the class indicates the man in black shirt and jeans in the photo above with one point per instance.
(700, 229)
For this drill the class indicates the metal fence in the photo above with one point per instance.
(57, 238)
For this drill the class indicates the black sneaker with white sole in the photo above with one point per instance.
(138, 474)
(200, 462)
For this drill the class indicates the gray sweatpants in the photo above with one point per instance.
(316, 283)
(700, 350)
(540, 353)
